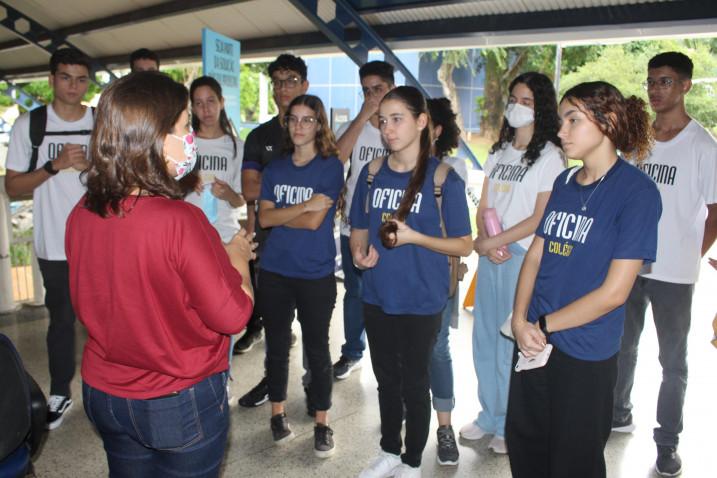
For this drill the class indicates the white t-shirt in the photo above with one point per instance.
(216, 159)
(513, 187)
(54, 198)
(459, 165)
(685, 171)
(369, 145)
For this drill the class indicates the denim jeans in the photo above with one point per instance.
(671, 309)
(354, 329)
(441, 362)
(176, 436)
(492, 352)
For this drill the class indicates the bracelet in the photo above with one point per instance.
(543, 326)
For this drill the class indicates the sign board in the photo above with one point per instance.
(220, 60)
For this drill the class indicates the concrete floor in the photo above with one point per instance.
(74, 450)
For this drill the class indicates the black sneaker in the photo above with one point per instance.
(280, 428)
(668, 461)
(447, 448)
(247, 342)
(57, 405)
(344, 367)
(257, 395)
(623, 426)
(323, 441)
(310, 408)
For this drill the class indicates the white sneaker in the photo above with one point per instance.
(57, 406)
(497, 444)
(471, 431)
(407, 471)
(383, 466)
(231, 398)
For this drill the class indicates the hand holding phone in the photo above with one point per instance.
(536, 361)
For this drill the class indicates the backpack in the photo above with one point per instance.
(23, 409)
(38, 126)
(457, 269)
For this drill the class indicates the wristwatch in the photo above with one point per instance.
(48, 167)
(543, 326)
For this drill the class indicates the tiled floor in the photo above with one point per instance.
(74, 450)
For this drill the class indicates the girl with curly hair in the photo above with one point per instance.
(297, 199)
(598, 229)
(519, 175)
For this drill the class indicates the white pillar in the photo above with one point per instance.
(7, 302)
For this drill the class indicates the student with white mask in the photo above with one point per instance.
(519, 175)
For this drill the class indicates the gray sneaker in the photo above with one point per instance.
(447, 448)
(344, 366)
(280, 429)
(323, 441)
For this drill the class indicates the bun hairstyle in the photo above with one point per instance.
(416, 104)
(547, 120)
(625, 121)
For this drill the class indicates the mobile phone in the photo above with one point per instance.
(537, 361)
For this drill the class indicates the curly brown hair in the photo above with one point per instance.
(126, 147)
(625, 121)
(325, 139)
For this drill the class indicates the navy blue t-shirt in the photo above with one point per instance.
(293, 252)
(409, 279)
(619, 222)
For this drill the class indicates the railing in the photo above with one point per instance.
(20, 279)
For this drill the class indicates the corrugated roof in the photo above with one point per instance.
(266, 26)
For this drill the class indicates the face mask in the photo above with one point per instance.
(519, 115)
(185, 166)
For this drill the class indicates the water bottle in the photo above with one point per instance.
(209, 203)
(493, 226)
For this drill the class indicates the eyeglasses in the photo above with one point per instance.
(288, 83)
(376, 90)
(662, 83)
(305, 121)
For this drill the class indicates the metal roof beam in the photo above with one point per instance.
(154, 12)
(18, 95)
(335, 29)
(35, 30)
(379, 6)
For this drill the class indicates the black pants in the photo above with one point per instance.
(401, 348)
(314, 300)
(61, 332)
(559, 418)
(254, 325)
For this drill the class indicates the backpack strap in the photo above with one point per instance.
(38, 123)
(373, 168)
(439, 178)
(38, 131)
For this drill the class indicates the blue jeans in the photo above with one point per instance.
(177, 436)
(671, 310)
(493, 352)
(354, 329)
(441, 362)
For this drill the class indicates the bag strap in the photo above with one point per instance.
(38, 123)
(373, 168)
(439, 178)
(38, 131)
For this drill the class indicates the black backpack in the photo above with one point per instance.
(23, 409)
(38, 126)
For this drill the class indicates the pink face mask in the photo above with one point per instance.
(185, 166)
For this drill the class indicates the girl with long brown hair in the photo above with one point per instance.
(598, 229)
(297, 199)
(397, 239)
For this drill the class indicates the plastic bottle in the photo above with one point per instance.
(493, 226)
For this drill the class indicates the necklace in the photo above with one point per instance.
(585, 203)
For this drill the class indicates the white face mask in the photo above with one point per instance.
(519, 115)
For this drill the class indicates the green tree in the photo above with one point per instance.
(450, 60)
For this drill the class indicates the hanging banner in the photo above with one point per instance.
(220, 60)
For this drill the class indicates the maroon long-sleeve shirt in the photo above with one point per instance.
(157, 294)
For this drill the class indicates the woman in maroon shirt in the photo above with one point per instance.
(156, 289)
